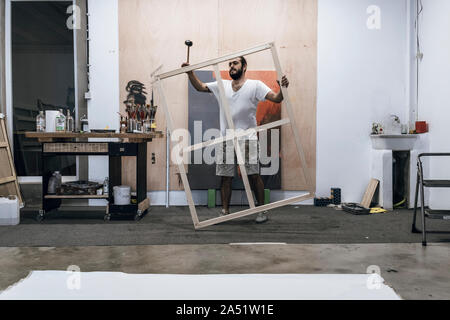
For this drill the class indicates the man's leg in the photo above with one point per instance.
(225, 169)
(225, 192)
(258, 188)
(256, 183)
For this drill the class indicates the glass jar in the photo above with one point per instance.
(40, 122)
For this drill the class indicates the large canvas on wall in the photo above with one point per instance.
(204, 109)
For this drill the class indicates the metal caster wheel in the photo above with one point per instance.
(107, 217)
(40, 216)
(138, 215)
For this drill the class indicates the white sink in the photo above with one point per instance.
(400, 142)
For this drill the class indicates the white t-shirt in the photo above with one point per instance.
(242, 103)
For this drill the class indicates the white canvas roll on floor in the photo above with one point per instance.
(61, 285)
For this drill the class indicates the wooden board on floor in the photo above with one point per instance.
(370, 192)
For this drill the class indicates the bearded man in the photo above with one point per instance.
(243, 96)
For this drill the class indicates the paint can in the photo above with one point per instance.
(9, 211)
(122, 195)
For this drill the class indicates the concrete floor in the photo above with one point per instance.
(412, 271)
(78, 227)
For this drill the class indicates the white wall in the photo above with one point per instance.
(104, 76)
(434, 85)
(362, 77)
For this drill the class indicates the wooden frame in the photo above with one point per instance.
(224, 105)
(8, 182)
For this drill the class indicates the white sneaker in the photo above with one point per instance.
(224, 213)
(262, 217)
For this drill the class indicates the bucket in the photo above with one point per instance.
(9, 211)
(122, 195)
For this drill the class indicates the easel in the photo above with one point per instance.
(8, 177)
(224, 105)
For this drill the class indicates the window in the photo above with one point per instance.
(42, 70)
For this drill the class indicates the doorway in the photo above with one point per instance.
(42, 77)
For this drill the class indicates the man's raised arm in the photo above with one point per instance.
(195, 81)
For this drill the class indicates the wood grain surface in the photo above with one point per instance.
(153, 32)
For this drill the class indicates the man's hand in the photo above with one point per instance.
(198, 85)
(278, 97)
(185, 64)
(284, 82)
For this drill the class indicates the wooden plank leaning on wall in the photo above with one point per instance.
(2, 59)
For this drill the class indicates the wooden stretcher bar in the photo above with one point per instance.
(226, 108)
(211, 62)
(291, 116)
(251, 211)
(264, 127)
(181, 167)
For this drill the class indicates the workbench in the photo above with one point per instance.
(78, 144)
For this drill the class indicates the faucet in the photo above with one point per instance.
(396, 118)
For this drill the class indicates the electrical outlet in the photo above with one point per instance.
(153, 158)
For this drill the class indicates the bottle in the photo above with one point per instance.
(106, 186)
(54, 183)
(123, 125)
(69, 122)
(60, 122)
(40, 122)
(51, 189)
(146, 126)
(131, 125)
(58, 177)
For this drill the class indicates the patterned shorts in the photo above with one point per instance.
(226, 160)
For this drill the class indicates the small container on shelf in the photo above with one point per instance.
(55, 182)
(84, 124)
(70, 124)
(40, 122)
(106, 186)
(123, 125)
(60, 122)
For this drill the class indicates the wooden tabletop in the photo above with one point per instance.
(52, 136)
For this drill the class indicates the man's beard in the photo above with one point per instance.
(237, 75)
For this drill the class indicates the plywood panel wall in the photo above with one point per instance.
(152, 32)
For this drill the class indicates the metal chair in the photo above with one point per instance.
(422, 183)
